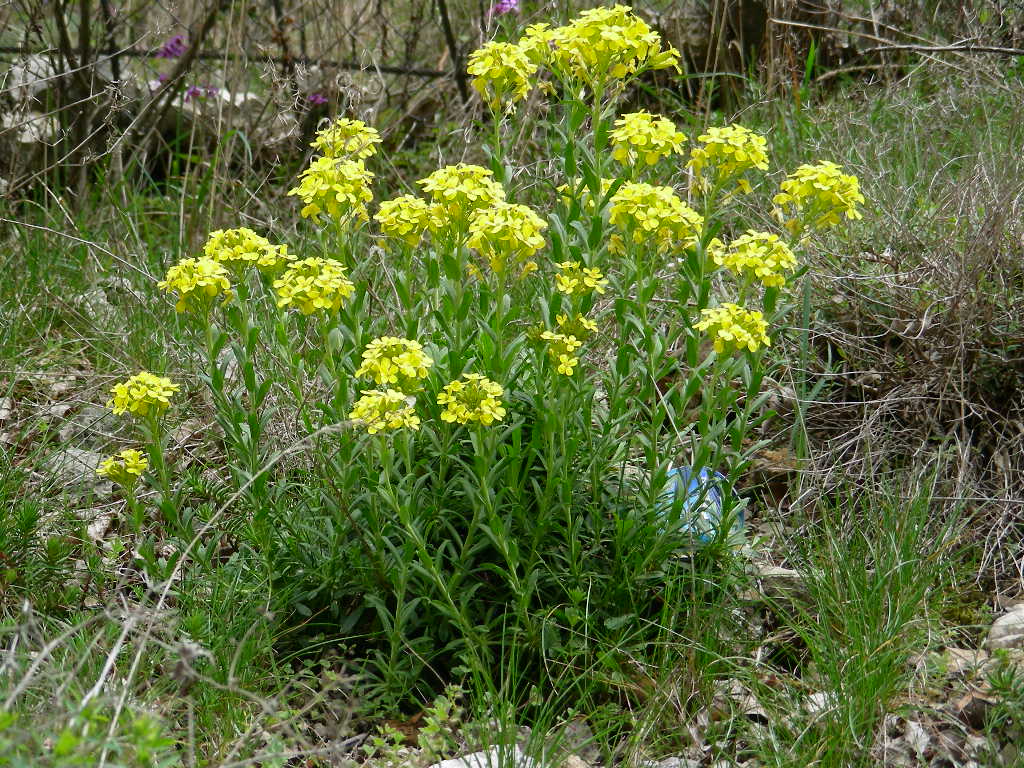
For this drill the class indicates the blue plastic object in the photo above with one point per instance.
(701, 510)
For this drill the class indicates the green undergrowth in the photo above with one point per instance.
(288, 627)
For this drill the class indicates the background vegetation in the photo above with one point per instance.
(884, 508)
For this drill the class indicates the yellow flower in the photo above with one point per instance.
(654, 216)
(313, 284)
(641, 135)
(756, 255)
(396, 362)
(336, 187)
(575, 279)
(459, 190)
(560, 349)
(472, 398)
(506, 233)
(143, 394)
(579, 326)
(406, 218)
(347, 139)
(607, 43)
(379, 409)
(501, 73)
(537, 42)
(732, 327)
(242, 247)
(727, 153)
(819, 196)
(124, 468)
(197, 282)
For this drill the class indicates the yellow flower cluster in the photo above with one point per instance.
(506, 234)
(143, 394)
(575, 279)
(241, 247)
(756, 255)
(473, 398)
(336, 187)
(820, 195)
(727, 153)
(406, 218)
(501, 73)
(349, 139)
(459, 190)
(603, 44)
(653, 215)
(380, 409)
(313, 284)
(560, 349)
(643, 136)
(124, 468)
(395, 362)
(732, 327)
(537, 42)
(197, 282)
(579, 326)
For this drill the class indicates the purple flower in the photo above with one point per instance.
(210, 91)
(316, 99)
(505, 6)
(194, 92)
(173, 48)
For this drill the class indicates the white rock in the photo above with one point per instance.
(819, 703)
(495, 757)
(672, 762)
(30, 76)
(76, 468)
(780, 583)
(92, 427)
(1008, 630)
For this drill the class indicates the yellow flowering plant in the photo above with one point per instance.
(458, 191)
(507, 235)
(314, 285)
(241, 247)
(199, 283)
(124, 468)
(407, 218)
(400, 364)
(146, 397)
(574, 279)
(647, 214)
(336, 188)
(818, 197)
(643, 137)
(472, 399)
(347, 139)
(724, 154)
(502, 74)
(143, 395)
(395, 427)
(378, 410)
(731, 327)
(762, 256)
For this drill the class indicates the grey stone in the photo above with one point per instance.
(672, 762)
(1008, 630)
(93, 427)
(495, 757)
(780, 583)
(74, 469)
